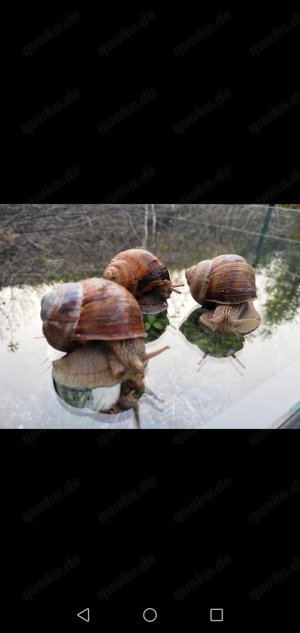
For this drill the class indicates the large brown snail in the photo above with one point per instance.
(228, 281)
(145, 276)
(100, 325)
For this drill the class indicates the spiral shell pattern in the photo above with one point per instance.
(226, 279)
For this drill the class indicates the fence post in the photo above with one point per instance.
(145, 240)
(153, 226)
(262, 235)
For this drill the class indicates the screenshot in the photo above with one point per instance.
(147, 369)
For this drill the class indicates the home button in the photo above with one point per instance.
(150, 615)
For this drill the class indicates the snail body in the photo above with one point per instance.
(144, 275)
(102, 363)
(238, 318)
(229, 282)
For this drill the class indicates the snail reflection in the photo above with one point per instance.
(100, 326)
(109, 400)
(210, 342)
(155, 325)
(225, 286)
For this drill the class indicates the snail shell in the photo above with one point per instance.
(102, 363)
(90, 310)
(144, 275)
(226, 279)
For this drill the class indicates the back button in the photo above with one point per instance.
(84, 615)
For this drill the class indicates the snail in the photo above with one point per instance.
(145, 276)
(228, 281)
(100, 326)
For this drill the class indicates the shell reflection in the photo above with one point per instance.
(111, 400)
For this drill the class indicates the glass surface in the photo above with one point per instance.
(44, 245)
